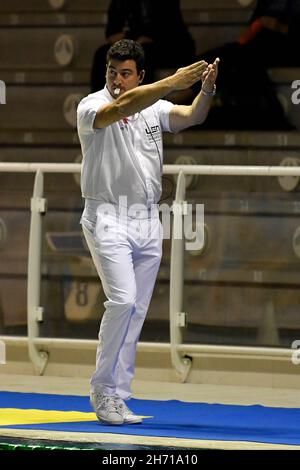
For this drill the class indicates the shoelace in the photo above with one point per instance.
(107, 401)
(122, 405)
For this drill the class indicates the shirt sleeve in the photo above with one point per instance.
(86, 112)
(163, 108)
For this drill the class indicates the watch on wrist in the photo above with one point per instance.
(210, 93)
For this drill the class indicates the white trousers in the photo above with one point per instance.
(127, 254)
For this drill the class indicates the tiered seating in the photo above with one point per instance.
(252, 224)
(67, 37)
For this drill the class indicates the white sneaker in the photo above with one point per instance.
(128, 416)
(106, 408)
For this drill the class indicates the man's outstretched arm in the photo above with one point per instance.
(141, 97)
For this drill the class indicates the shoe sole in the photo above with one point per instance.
(111, 423)
(133, 422)
(132, 419)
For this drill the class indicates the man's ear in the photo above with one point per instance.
(142, 76)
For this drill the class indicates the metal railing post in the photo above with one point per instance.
(34, 310)
(181, 363)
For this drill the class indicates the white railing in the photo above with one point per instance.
(179, 351)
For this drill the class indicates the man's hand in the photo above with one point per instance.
(209, 76)
(182, 117)
(187, 76)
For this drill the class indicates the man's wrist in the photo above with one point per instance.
(209, 93)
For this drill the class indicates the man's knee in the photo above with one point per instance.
(122, 304)
(129, 303)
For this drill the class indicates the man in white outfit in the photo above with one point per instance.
(120, 130)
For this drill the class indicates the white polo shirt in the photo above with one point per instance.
(125, 158)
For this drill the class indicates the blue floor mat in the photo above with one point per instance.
(171, 418)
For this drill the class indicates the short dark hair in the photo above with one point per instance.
(127, 49)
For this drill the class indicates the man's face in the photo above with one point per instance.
(122, 75)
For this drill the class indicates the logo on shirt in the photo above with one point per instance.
(153, 133)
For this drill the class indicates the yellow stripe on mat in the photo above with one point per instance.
(14, 416)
